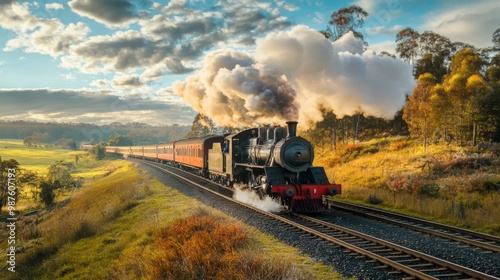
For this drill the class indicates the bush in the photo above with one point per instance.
(351, 152)
(375, 200)
(487, 187)
(399, 145)
(431, 190)
(456, 163)
(204, 247)
(197, 247)
(47, 193)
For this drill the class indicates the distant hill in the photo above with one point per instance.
(140, 133)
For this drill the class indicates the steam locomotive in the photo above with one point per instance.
(272, 161)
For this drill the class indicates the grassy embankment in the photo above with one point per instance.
(456, 185)
(118, 227)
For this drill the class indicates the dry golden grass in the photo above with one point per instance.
(457, 185)
(204, 246)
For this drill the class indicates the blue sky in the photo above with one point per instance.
(104, 61)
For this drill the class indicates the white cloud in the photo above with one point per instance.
(54, 6)
(384, 30)
(468, 22)
(388, 46)
(287, 6)
(319, 18)
(68, 77)
(39, 35)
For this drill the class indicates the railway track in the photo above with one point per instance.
(399, 258)
(471, 238)
(394, 258)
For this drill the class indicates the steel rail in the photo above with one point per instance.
(440, 262)
(381, 215)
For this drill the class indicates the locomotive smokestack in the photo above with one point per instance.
(292, 128)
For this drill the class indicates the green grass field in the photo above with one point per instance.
(39, 159)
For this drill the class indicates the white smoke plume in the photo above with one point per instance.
(251, 198)
(291, 75)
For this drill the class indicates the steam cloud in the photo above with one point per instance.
(291, 75)
(251, 198)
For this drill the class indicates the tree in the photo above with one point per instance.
(493, 71)
(345, 20)
(467, 63)
(435, 44)
(28, 141)
(431, 64)
(99, 151)
(202, 126)
(119, 140)
(61, 171)
(478, 90)
(441, 112)
(464, 85)
(47, 193)
(66, 143)
(386, 53)
(328, 128)
(417, 112)
(496, 38)
(407, 44)
(30, 178)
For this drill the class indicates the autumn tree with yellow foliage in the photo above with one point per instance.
(462, 109)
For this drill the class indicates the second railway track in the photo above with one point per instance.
(393, 258)
(464, 236)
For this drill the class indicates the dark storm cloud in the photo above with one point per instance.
(110, 12)
(89, 106)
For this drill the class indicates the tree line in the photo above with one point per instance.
(70, 135)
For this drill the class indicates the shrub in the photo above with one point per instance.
(430, 190)
(47, 191)
(487, 186)
(196, 247)
(375, 200)
(399, 145)
(204, 247)
(353, 151)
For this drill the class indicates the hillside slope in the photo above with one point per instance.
(457, 185)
